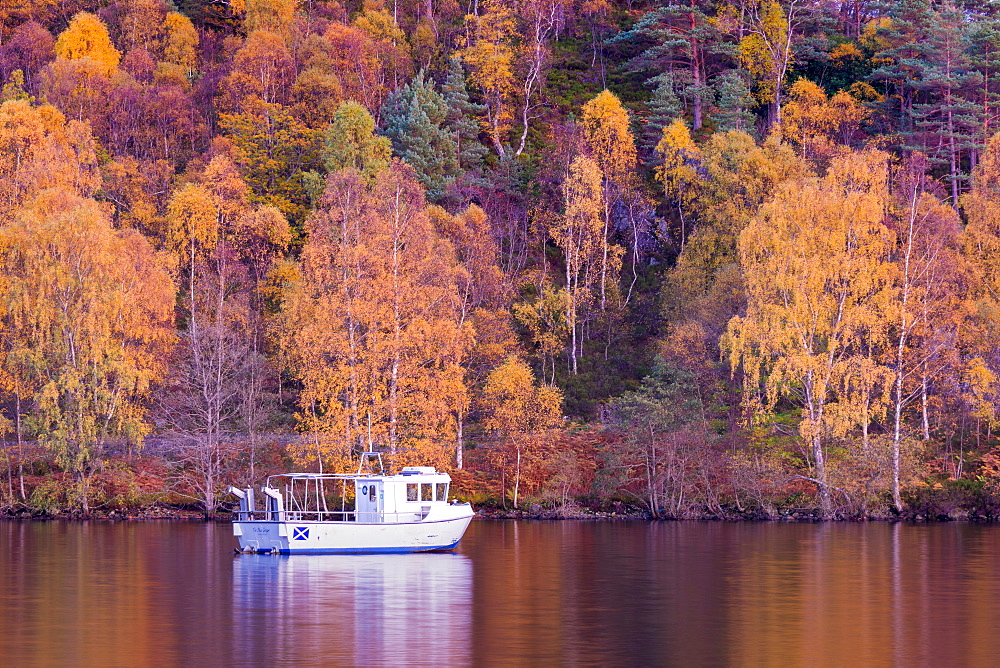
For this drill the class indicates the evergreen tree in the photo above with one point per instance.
(984, 54)
(681, 41)
(414, 118)
(929, 80)
(732, 102)
(946, 121)
(462, 118)
(664, 107)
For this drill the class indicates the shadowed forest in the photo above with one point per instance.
(694, 259)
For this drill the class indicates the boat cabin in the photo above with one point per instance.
(408, 496)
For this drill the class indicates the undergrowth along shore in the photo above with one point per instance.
(967, 501)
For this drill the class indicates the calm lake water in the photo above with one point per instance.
(514, 593)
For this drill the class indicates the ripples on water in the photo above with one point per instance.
(521, 593)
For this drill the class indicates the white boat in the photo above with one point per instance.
(405, 512)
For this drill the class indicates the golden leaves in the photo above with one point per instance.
(87, 37)
(181, 42)
(820, 285)
(374, 329)
(87, 320)
(606, 125)
(679, 171)
(516, 405)
(39, 150)
(192, 220)
(822, 127)
(490, 58)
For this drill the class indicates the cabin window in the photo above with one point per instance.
(427, 491)
(411, 491)
(442, 491)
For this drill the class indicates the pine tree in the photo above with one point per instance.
(732, 102)
(945, 115)
(414, 118)
(684, 44)
(462, 118)
(664, 107)
(932, 90)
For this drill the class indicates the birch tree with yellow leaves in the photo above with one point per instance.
(981, 248)
(606, 126)
(375, 326)
(930, 311)
(86, 319)
(518, 409)
(87, 37)
(490, 56)
(579, 232)
(39, 149)
(820, 281)
(679, 171)
(766, 50)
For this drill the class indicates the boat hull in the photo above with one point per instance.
(313, 537)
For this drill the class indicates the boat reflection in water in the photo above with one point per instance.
(353, 609)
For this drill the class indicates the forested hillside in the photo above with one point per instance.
(705, 258)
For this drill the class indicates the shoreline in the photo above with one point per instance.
(802, 516)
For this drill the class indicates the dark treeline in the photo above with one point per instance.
(731, 259)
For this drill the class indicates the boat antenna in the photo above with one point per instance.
(370, 449)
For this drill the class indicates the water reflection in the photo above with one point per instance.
(515, 593)
(353, 609)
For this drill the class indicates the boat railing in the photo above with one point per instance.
(330, 516)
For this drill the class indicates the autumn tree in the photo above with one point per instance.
(271, 15)
(87, 315)
(606, 126)
(981, 248)
(374, 326)
(484, 294)
(350, 142)
(27, 48)
(929, 310)
(580, 235)
(214, 396)
(766, 50)
(819, 283)
(740, 176)
(819, 125)
(680, 170)
(518, 409)
(181, 42)
(490, 57)
(39, 149)
(262, 71)
(274, 152)
(142, 24)
(87, 37)
(369, 58)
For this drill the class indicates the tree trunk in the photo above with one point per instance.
(825, 505)
(517, 475)
(460, 445)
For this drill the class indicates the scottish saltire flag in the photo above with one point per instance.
(300, 533)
